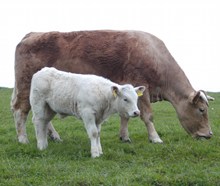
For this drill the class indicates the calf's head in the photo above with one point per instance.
(193, 115)
(126, 98)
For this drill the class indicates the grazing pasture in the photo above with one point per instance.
(180, 160)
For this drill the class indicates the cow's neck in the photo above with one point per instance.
(175, 96)
(177, 86)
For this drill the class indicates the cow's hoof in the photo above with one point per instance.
(23, 139)
(156, 140)
(125, 140)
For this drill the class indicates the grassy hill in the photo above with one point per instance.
(180, 160)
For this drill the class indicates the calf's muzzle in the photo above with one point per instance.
(136, 113)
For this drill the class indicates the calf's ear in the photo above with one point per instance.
(115, 91)
(140, 90)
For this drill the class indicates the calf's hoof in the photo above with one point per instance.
(55, 137)
(23, 139)
(95, 153)
(42, 145)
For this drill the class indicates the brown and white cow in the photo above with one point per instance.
(132, 57)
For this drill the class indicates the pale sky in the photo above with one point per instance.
(190, 29)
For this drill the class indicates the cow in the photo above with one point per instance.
(90, 98)
(134, 57)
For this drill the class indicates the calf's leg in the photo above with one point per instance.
(41, 132)
(20, 107)
(93, 133)
(98, 139)
(42, 115)
(52, 133)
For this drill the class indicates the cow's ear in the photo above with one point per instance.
(210, 98)
(194, 97)
(199, 95)
(115, 91)
(140, 90)
(207, 97)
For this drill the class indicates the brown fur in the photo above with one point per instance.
(122, 56)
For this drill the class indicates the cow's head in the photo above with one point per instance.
(193, 114)
(126, 98)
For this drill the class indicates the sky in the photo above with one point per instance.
(190, 29)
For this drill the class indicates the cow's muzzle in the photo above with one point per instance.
(202, 136)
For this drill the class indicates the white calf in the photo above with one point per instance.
(88, 97)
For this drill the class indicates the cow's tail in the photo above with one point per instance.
(13, 97)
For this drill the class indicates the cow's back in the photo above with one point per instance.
(121, 56)
(100, 53)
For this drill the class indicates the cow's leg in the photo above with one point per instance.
(124, 135)
(20, 118)
(20, 108)
(98, 139)
(147, 117)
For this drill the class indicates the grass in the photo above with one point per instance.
(180, 160)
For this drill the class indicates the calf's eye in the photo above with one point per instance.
(125, 99)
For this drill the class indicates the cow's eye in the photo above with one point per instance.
(201, 110)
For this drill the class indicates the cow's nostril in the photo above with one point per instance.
(210, 133)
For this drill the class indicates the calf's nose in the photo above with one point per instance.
(136, 113)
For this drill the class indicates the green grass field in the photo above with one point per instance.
(180, 160)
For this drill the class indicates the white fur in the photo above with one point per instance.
(88, 97)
